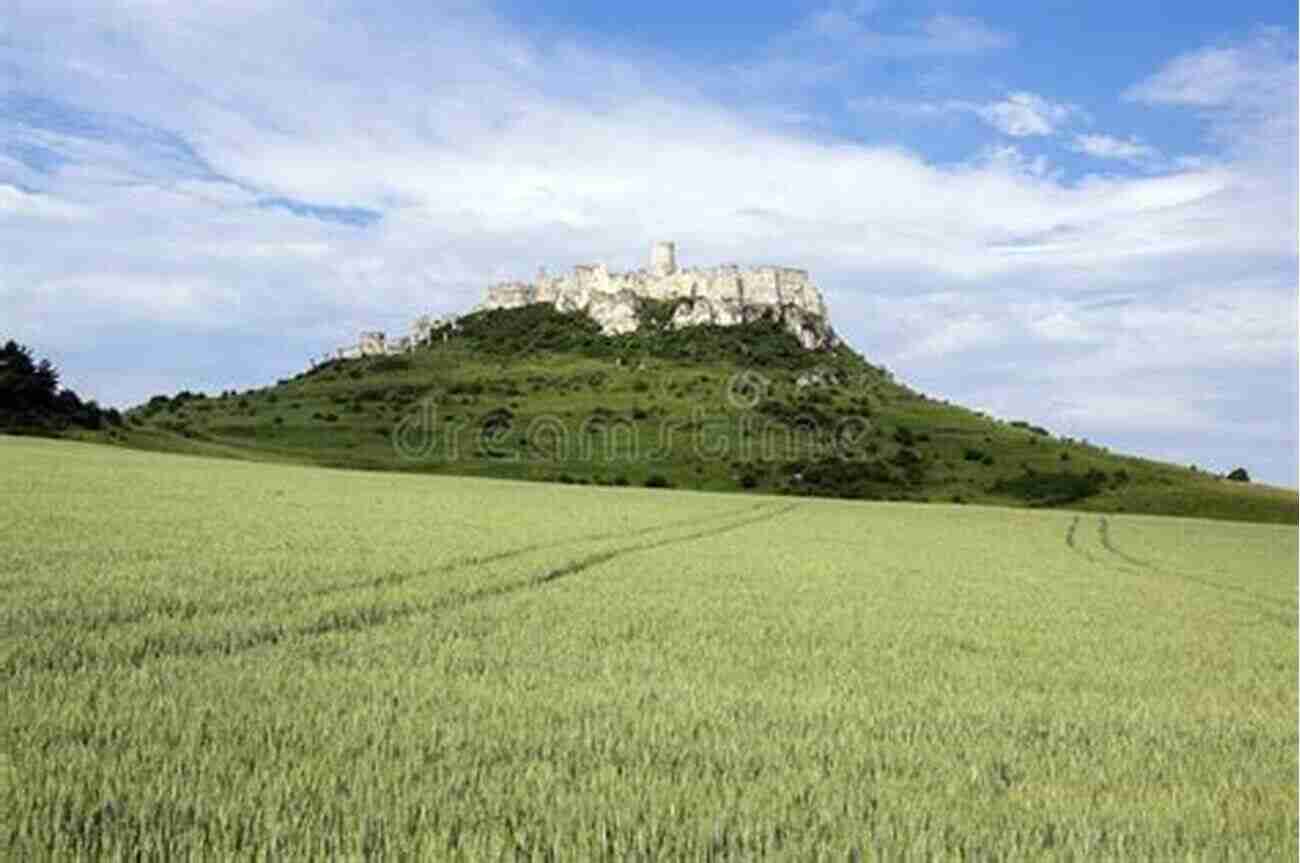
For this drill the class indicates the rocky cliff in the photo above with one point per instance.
(724, 295)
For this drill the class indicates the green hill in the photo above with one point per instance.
(533, 393)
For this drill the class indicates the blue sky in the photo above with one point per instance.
(1082, 214)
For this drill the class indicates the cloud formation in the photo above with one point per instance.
(852, 26)
(1023, 114)
(206, 188)
(1019, 114)
(1109, 147)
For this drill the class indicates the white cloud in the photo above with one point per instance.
(500, 156)
(1019, 114)
(954, 34)
(1222, 76)
(1023, 114)
(16, 202)
(949, 335)
(1108, 147)
(833, 44)
(1064, 326)
(851, 26)
(1246, 91)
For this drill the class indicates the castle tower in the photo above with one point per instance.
(663, 259)
(372, 342)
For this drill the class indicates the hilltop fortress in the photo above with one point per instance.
(725, 295)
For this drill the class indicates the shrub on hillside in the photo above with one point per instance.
(1050, 489)
(540, 327)
(389, 364)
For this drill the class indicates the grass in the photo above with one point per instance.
(211, 659)
(587, 409)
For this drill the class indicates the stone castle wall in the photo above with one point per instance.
(724, 296)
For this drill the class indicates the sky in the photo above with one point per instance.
(1082, 214)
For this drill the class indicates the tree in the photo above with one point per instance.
(31, 399)
(24, 383)
(1239, 475)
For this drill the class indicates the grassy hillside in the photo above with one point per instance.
(535, 394)
(224, 660)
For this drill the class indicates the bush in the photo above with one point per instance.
(527, 330)
(1239, 475)
(833, 477)
(467, 388)
(1050, 489)
(656, 480)
(390, 364)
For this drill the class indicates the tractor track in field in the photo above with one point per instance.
(1258, 602)
(188, 611)
(585, 563)
(164, 646)
(1071, 541)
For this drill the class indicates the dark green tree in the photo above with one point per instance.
(32, 401)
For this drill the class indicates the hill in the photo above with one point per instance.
(535, 393)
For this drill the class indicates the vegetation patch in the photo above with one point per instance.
(1052, 488)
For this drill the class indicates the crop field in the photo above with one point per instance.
(207, 659)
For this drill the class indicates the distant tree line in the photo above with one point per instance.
(32, 402)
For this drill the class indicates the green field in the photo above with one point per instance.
(216, 659)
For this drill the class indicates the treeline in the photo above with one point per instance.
(32, 402)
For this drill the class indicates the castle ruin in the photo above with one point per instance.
(725, 295)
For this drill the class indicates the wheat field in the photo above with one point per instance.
(220, 660)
